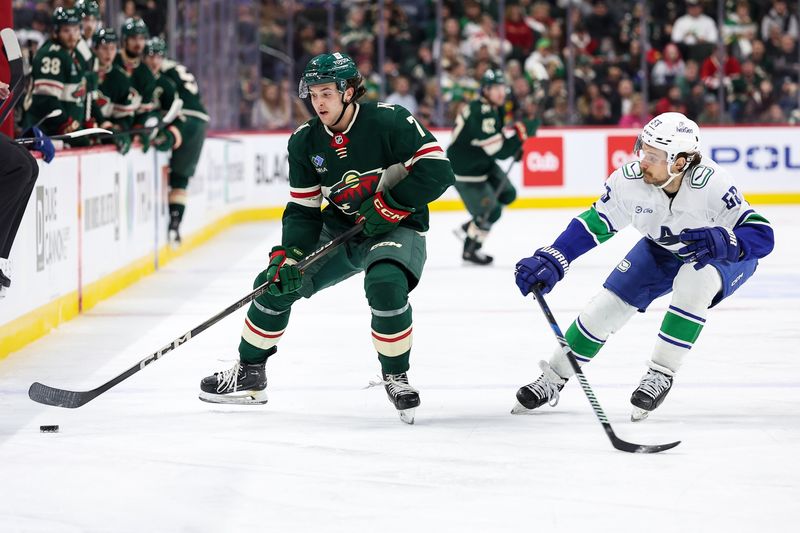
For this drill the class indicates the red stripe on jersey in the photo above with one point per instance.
(252, 328)
(428, 150)
(401, 337)
(305, 194)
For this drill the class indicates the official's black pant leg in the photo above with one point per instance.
(18, 173)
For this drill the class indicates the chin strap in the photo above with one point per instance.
(674, 175)
(344, 108)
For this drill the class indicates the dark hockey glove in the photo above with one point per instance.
(381, 214)
(545, 268)
(283, 276)
(709, 245)
(123, 143)
(167, 139)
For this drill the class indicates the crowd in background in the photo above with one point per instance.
(759, 78)
(759, 68)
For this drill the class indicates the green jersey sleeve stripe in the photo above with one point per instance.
(596, 225)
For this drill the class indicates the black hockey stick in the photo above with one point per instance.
(17, 81)
(618, 443)
(71, 399)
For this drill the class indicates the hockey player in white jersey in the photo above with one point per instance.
(701, 241)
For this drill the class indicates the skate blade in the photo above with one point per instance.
(239, 398)
(407, 415)
(638, 414)
(520, 409)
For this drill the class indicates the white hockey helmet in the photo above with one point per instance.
(672, 132)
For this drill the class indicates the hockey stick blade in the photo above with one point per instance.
(46, 395)
(616, 442)
(71, 135)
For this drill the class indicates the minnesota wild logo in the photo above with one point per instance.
(353, 189)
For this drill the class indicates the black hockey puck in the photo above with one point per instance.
(48, 429)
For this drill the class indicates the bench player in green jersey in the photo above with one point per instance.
(58, 79)
(90, 18)
(478, 140)
(186, 135)
(114, 102)
(373, 163)
(134, 35)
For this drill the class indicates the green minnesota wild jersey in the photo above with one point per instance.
(175, 81)
(88, 60)
(58, 83)
(143, 83)
(478, 139)
(383, 147)
(114, 100)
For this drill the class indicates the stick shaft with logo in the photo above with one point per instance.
(47, 395)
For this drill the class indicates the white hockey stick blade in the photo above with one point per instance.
(10, 44)
(85, 132)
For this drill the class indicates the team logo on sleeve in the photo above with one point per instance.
(353, 189)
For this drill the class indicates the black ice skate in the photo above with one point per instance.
(243, 384)
(5, 280)
(461, 231)
(472, 253)
(544, 390)
(403, 396)
(651, 392)
(173, 232)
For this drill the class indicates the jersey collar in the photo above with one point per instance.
(352, 121)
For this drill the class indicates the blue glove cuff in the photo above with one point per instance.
(555, 257)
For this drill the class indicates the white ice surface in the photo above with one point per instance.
(324, 455)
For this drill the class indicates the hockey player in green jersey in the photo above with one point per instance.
(185, 136)
(129, 59)
(90, 15)
(375, 164)
(114, 102)
(58, 79)
(478, 140)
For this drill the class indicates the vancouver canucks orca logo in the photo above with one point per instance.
(353, 189)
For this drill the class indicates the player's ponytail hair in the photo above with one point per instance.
(692, 160)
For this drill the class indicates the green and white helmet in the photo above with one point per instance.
(134, 26)
(493, 76)
(335, 68)
(88, 8)
(65, 17)
(155, 47)
(104, 36)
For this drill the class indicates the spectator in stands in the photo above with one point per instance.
(635, 118)
(518, 33)
(709, 72)
(780, 19)
(785, 61)
(744, 87)
(545, 56)
(601, 23)
(599, 113)
(558, 114)
(788, 98)
(760, 59)
(355, 29)
(667, 69)
(740, 30)
(671, 102)
(270, 111)
(540, 19)
(773, 115)
(695, 30)
(402, 95)
(712, 113)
